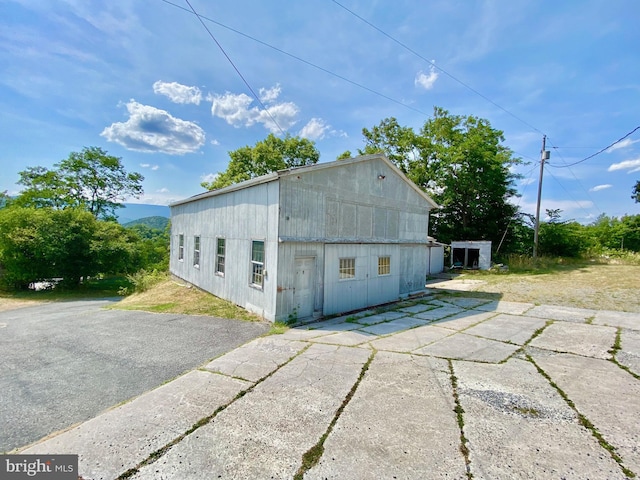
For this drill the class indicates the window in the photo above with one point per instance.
(196, 251)
(220, 257)
(257, 263)
(181, 247)
(347, 268)
(384, 265)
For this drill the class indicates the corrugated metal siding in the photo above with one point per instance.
(352, 204)
(414, 263)
(239, 217)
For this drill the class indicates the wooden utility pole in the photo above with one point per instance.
(544, 155)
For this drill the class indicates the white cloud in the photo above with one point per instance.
(148, 165)
(178, 93)
(209, 177)
(632, 165)
(315, 129)
(163, 190)
(627, 142)
(153, 130)
(597, 188)
(427, 81)
(269, 95)
(236, 110)
(527, 181)
(214, 142)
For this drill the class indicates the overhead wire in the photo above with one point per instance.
(236, 69)
(302, 60)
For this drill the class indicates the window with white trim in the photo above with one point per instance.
(257, 263)
(181, 247)
(347, 268)
(220, 254)
(196, 251)
(384, 265)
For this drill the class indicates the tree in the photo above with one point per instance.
(461, 162)
(44, 243)
(636, 192)
(90, 179)
(266, 156)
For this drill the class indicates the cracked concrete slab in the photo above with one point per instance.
(464, 320)
(257, 358)
(439, 313)
(410, 340)
(420, 307)
(393, 326)
(508, 328)
(567, 314)
(502, 306)
(581, 339)
(618, 319)
(119, 439)
(350, 338)
(629, 354)
(519, 427)
(423, 439)
(265, 433)
(605, 394)
(380, 317)
(467, 347)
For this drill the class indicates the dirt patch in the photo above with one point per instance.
(13, 303)
(603, 287)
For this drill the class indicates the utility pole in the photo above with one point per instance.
(544, 155)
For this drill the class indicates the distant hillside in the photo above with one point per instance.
(159, 223)
(135, 211)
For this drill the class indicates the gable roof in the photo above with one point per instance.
(270, 177)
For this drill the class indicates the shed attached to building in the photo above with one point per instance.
(308, 241)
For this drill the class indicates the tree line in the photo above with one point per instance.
(63, 223)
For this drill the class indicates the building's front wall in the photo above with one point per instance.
(360, 210)
(238, 217)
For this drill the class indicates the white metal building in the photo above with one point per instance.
(475, 254)
(309, 241)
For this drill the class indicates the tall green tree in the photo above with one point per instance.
(266, 156)
(461, 162)
(90, 179)
(44, 243)
(636, 192)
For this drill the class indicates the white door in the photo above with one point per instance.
(304, 290)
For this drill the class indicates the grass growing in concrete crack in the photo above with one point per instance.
(584, 421)
(617, 346)
(313, 455)
(459, 411)
(155, 455)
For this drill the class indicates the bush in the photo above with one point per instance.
(141, 281)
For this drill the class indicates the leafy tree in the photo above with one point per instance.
(616, 233)
(4, 199)
(44, 243)
(266, 156)
(90, 179)
(461, 162)
(636, 192)
(563, 238)
(344, 155)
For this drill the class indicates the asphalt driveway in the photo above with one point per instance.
(63, 363)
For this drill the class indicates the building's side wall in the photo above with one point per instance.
(239, 217)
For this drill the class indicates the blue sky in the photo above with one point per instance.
(146, 82)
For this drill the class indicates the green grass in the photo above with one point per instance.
(93, 288)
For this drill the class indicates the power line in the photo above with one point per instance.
(236, 69)
(306, 62)
(569, 194)
(599, 151)
(433, 64)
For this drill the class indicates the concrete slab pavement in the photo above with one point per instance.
(462, 396)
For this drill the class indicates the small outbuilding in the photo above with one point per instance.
(471, 254)
(309, 241)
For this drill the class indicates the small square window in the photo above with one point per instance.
(347, 268)
(220, 255)
(196, 251)
(384, 265)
